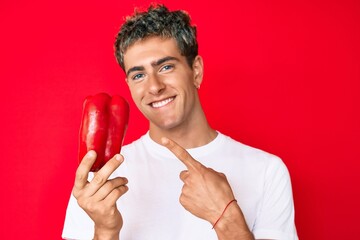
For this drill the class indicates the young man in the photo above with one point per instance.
(217, 188)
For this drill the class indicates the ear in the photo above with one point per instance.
(126, 80)
(198, 70)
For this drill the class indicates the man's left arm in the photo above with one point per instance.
(207, 194)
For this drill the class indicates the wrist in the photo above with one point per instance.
(232, 224)
(106, 234)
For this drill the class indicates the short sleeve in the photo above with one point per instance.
(275, 219)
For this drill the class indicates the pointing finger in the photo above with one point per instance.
(180, 153)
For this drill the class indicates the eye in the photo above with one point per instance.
(138, 76)
(166, 68)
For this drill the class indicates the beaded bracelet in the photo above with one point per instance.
(234, 200)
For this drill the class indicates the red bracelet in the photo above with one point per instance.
(234, 200)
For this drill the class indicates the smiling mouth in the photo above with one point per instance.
(162, 102)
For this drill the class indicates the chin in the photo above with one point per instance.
(166, 125)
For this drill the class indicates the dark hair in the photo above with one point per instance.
(158, 21)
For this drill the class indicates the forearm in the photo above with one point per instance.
(101, 234)
(232, 225)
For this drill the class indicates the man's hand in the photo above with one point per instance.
(206, 193)
(98, 197)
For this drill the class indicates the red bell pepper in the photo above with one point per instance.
(103, 127)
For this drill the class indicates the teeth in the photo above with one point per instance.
(161, 103)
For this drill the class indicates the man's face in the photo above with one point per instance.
(161, 82)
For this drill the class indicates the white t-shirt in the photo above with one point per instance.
(151, 209)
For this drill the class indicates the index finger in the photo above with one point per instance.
(181, 153)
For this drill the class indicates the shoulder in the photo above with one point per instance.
(232, 145)
(250, 154)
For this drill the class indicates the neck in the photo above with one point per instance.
(188, 135)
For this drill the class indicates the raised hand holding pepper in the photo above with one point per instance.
(98, 197)
(103, 126)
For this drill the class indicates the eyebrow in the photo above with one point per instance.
(153, 64)
(134, 69)
(162, 60)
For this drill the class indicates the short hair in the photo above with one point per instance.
(160, 22)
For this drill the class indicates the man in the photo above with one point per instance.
(226, 190)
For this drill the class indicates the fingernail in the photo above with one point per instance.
(118, 157)
(91, 153)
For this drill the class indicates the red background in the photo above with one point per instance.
(283, 76)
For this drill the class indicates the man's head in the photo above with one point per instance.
(160, 22)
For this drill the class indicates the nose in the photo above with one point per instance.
(155, 85)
